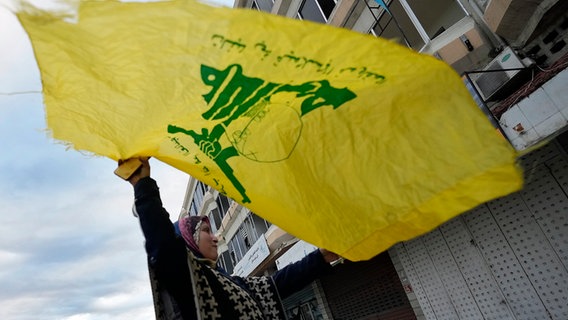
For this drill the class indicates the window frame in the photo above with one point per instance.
(421, 31)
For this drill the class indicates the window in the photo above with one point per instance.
(236, 250)
(415, 22)
(245, 236)
(263, 5)
(397, 27)
(247, 242)
(259, 225)
(197, 201)
(436, 14)
(225, 261)
(327, 7)
(223, 204)
(192, 209)
(215, 219)
(316, 10)
(198, 194)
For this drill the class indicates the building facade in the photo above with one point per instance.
(506, 259)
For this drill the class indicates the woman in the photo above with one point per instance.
(186, 281)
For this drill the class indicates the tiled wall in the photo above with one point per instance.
(538, 116)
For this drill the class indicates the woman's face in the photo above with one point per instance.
(207, 242)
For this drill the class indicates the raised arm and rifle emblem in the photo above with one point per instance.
(240, 108)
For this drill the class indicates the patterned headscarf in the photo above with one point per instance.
(189, 227)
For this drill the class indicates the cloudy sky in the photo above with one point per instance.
(69, 245)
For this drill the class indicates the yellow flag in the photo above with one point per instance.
(347, 141)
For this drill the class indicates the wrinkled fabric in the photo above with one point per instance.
(365, 142)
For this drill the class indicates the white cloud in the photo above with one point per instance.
(16, 308)
(120, 300)
(8, 259)
(16, 48)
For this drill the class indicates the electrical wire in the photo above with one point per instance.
(19, 93)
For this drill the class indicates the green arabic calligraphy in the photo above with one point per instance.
(291, 59)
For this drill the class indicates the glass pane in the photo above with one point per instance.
(226, 262)
(264, 5)
(385, 20)
(391, 32)
(399, 27)
(436, 14)
(222, 204)
(327, 7)
(192, 209)
(311, 11)
(215, 218)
